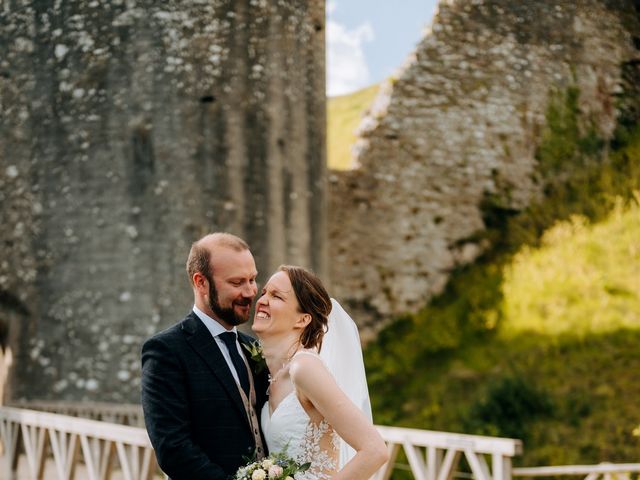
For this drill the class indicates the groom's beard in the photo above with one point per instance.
(226, 314)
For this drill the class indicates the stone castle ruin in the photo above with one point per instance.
(459, 124)
(128, 129)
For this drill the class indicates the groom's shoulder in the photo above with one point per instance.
(175, 331)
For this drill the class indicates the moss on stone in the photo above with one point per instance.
(458, 349)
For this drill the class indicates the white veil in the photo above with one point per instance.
(342, 352)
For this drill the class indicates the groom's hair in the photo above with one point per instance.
(199, 260)
(313, 299)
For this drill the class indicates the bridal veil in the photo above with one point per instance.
(342, 352)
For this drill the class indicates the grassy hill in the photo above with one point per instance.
(560, 368)
(343, 117)
(540, 338)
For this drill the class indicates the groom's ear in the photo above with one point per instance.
(200, 281)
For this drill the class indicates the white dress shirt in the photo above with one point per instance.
(216, 329)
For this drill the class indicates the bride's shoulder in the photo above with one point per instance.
(311, 376)
(304, 363)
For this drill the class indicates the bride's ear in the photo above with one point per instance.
(303, 320)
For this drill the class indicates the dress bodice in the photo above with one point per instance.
(290, 427)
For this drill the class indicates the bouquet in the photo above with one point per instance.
(276, 466)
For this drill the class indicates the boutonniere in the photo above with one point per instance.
(255, 351)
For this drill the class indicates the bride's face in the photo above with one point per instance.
(277, 310)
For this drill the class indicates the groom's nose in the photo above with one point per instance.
(249, 290)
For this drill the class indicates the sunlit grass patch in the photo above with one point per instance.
(344, 114)
(583, 278)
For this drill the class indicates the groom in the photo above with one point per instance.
(200, 394)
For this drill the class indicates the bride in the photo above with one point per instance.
(311, 402)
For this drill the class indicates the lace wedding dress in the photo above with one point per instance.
(289, 427)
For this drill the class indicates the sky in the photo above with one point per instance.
(367, 40)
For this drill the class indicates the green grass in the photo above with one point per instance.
(583, 279)
(561, 367)
(540, 338)
(343, 117)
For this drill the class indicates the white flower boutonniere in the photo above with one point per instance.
(255, 351)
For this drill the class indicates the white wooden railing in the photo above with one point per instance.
(98, 440)
(122, 414)
(607, 471)
(436, 455)
(107, 451)
(103, 450)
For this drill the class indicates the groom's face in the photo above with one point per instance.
(232, 287)
(227, 311)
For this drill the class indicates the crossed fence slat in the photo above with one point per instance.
(435, 455)
(70, 441)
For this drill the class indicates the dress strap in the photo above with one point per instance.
(305, 352)
(313, 354)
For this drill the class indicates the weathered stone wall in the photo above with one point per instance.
(460, 122)
(127, 130)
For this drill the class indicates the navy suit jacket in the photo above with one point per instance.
(192, 408)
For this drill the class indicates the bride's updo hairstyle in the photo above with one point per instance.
(312, 299)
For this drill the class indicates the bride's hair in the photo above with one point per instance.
(313, 299)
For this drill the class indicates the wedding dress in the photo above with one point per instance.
(289, 427)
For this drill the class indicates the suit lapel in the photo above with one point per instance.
(204, 344)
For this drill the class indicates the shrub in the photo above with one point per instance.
(507, 407)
